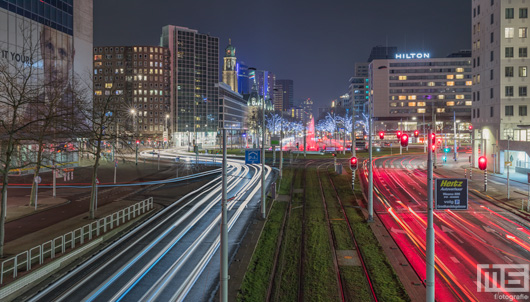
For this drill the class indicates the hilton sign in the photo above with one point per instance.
(412, 55)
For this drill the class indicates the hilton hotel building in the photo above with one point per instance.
(408, 90)
(500, 73)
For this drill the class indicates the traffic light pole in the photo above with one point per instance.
(370, 171)
(485, 180)
(224, 230)
(430, 229)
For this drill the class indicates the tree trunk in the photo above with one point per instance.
(3, 207)
(92, 211)
(37, 170)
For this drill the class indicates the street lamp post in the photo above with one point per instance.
(135, 129)
(167, 129)
(263, 209)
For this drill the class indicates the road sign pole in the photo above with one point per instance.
(370, 170)
(115, 168)
(485, 180)
(224, 231)
(430, 229)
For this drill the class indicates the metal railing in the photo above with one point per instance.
(58, 246)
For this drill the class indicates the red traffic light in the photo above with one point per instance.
(433, 139)
(137, 142)
(381, 134)
(353, 163)
(398, 134)
(482, 163)
(416, 133)
(404, 140)
(433, 148)
(470, 127)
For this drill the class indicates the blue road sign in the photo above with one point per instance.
(252, 156)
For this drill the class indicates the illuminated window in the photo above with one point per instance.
(97, 57)
(421, 110)
(441, 97)
(402, 97)
(108, 85)
(412, 104)
(430, 84)
(508, 32)
(402, 78)
(469, 103)
(450, 76)
(523, 32)
(451, 103)
(459, 76)
(450, 83)
(393, 104)
(523, 71)
(97, 92)
(478, 78)
(440, 110)
(412, 97)
(460, 69)
(459, 96)
(421, 104)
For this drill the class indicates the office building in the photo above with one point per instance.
(500, 91)
(287, 89)
(139, 77)
(243, 82)
(405, 91)
(233, 112)
(194, 65)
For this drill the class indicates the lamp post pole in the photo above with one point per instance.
(370, 167)
(263, 200)
(430, 228)
(224, 230)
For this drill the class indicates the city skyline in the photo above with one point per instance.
(320, 48)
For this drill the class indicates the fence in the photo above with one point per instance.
(51, 249)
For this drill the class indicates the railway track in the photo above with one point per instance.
(333, 243)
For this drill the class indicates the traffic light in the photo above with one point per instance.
(444, 158)
(416, 133)
(381, 134)
(398, 134)
(404, 140)
(482, 162)
(333, 154)
(433, 148)
(353, 163)
(433, 139)
(137, 142)
(470, 127)
(447, 149)
(297, 146)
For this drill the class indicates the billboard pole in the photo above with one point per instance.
(430, 230)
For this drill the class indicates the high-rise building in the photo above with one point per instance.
(382, 52)
(53, 39)
(194, 65)
(407, 90)
(287, 89)
(139, 75)
(243, 82)
(278, 98)
(308, 108)
(266, 81)
(500, 75)
(230, 67)
(233, 111)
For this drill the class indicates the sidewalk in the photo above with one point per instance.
(26, 227)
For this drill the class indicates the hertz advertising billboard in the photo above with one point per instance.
(451, 194)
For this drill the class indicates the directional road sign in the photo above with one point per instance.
(252, 156)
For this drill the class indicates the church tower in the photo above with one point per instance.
(229, 67)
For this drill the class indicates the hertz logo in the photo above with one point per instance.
(454, 183)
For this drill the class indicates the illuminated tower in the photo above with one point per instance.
(229, 67)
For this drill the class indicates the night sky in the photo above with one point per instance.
(314, 43)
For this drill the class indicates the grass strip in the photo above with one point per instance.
(386, 283)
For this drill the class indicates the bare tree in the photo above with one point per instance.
(96, 118)
(19, 90)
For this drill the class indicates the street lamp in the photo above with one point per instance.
(135, 128)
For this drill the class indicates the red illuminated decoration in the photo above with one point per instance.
(353, 163)
(381, 134)
(416, 133)
(482, 162)
(404, 140)
(398, 134)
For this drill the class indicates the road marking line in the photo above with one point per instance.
(454, 260)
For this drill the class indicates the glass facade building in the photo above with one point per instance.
(57, 14)
(194, 65)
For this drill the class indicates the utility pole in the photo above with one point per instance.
(430, 229)
(370, 169)
(224, 230)
(263, 200)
